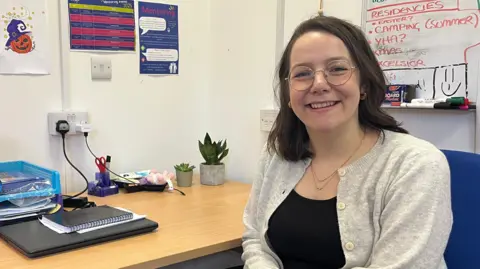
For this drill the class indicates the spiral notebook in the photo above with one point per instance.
(72, 221)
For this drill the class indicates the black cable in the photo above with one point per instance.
(95, 156)
(74, 167)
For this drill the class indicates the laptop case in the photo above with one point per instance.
(34, 240)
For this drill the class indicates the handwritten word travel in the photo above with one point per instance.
(391, 39)
(401, 63)
(406, 10)
(445, 23)
(397, 28)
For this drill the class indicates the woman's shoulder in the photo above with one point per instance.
(406, 145)
(407, 152)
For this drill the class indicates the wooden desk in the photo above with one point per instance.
(205, 221)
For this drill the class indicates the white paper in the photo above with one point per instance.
(24, 47)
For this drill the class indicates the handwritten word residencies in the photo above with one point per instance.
(406, 10)
(159, 12)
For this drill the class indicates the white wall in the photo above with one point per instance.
(295, 12)
(242, 77)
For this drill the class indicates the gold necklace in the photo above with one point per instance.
(328, 178)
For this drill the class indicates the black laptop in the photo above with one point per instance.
(34, 240)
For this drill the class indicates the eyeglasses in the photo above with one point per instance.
(336, 73)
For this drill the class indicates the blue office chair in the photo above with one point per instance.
(463, 249)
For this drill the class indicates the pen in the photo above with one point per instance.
(107, 161)
(107, 173)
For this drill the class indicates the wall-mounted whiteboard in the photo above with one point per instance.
(434, 44)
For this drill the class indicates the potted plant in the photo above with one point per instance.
(212, 171)
(184, 173)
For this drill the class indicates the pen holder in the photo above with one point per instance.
(102, 186)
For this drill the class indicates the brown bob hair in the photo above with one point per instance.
(288, 137)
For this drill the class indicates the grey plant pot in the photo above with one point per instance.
(212, 175)
(184, 179)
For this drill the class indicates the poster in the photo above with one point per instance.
(158, 33)
(102, 25)
(24, 37)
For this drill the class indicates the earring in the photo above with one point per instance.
(289, 104)
(363, 96)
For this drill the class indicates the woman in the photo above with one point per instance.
(341, 184)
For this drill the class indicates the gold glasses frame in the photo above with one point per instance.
(311, 78)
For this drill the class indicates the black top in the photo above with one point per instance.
(304, 233)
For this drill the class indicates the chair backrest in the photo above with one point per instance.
(463, 249)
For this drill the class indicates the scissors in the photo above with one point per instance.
(101, 164)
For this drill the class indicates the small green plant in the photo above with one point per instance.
(213, 152)
(184, 167)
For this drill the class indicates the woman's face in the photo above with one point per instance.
(323, 101)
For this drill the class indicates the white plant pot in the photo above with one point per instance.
(212, 175)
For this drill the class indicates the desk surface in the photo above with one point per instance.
(205, 221)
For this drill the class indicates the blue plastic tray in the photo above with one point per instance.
(35, 170)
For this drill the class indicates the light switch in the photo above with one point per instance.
(101, 68)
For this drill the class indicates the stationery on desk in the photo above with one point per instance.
(102, 164)
(88, 219)
(74, 229)
(102, 186)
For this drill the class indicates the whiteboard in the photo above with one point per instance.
(434, 44)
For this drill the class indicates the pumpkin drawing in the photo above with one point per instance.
(22, 45)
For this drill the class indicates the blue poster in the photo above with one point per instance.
(102, 25)
(158, 32)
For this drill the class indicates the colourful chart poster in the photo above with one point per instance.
(159, 49)
(24, 38)
(102, 25)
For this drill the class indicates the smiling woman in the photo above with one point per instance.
(345, 73)
(340, 183)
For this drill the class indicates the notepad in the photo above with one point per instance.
(73, 221)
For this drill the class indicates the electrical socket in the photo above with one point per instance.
(267, 119)
(72, 117)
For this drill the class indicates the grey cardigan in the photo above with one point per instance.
(393, 205)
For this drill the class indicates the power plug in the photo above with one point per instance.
(62, 127)
(83, 127)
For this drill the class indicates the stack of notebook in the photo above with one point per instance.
(74, 229)
(88, 219)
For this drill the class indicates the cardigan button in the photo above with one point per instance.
(341, 172)
(341, 206)
(349, 246)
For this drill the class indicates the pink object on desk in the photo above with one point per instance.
(157, 178)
